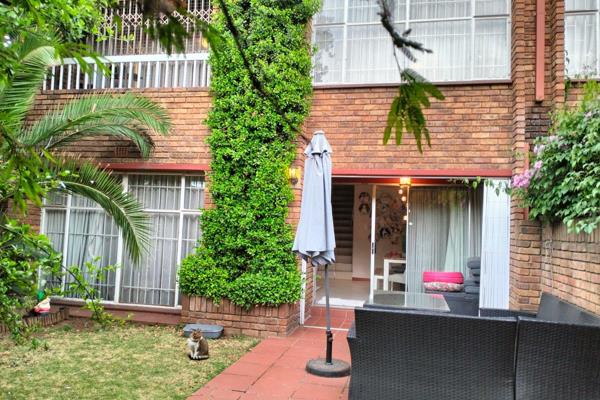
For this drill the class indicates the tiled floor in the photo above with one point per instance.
(274, 369)
(344, 293)
(340, 318)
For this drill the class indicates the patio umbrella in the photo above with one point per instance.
(315, 239)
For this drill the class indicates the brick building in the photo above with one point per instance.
(501, 67)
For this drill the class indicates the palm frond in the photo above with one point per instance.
(129, 116)
(100, 186)
(18, 95)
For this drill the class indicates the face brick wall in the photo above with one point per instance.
(185, 145)
(571, 266)
(470, 129)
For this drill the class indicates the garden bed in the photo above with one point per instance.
(258, 321)
(45, 320)
(133, 361)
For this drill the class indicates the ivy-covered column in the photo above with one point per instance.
(245, 251)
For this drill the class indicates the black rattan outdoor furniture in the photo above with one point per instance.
(417, 355)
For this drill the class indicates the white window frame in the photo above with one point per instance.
(407, 21)
(595, 12)
(120, 248)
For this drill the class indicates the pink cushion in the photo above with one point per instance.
(449, 277)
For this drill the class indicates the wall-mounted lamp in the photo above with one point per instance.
(405, 181)
(293, 175)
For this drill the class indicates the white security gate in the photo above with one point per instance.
(495, 248)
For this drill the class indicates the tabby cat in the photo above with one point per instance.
(198, 346)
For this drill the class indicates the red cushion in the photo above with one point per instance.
(449, 277)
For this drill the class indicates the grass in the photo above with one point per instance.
(125, 362)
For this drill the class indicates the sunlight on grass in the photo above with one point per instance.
(129, 362)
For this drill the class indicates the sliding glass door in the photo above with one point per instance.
(444, 230)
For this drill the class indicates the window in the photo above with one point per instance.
(83, 232)
(469, 39)
(581, 37)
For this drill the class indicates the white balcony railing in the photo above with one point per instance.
(133, 59)
(133, 72)
(131, 36)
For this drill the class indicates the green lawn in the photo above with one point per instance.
(129, 362)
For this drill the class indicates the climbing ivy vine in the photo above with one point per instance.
(246, 242)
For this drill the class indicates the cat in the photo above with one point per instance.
(198, 346)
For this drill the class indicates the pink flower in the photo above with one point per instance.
(538, 164)
(523, 180)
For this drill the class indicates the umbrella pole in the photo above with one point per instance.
(328, 354)
(328, 367)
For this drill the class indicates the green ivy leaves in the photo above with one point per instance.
(245, 251)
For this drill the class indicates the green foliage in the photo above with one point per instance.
(252, 146)
(564, 182)
(406, 112)
(22, 253)
(266, 287)
(199, 275)
(79, 286)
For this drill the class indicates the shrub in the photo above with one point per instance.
(246, 238)
(564, 182)
(198, 275)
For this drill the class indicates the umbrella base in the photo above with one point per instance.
(320, 367)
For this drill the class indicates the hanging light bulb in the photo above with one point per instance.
(404, 199)
(406, 218)
(400, 191)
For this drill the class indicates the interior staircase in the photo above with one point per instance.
(342, 201)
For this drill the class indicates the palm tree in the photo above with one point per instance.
(30, 162)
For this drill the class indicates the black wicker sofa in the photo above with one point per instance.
(416, 355)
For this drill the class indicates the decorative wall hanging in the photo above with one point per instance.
(364, 203)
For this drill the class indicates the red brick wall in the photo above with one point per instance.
(571, 266)
(470, 129)
(186, 144)
(259, 321)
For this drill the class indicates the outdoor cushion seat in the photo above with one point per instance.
(472, 282)
(476, 272)
(449, 277)
(472, 289)
(474, 262)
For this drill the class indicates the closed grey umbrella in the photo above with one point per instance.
(315, 238)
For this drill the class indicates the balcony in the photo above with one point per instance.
(133, 59)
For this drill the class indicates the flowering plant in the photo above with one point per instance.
(563, 183)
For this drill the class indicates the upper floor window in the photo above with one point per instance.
(581, 37)
(469, 38)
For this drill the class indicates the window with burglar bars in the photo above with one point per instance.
(83, 232)
(133, 59)
(470, 40)
(582, 35)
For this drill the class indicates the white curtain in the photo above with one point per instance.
(491, 49)
(580, 44)
(467, 42)
(152, 281)
(93, 238)
(440, 232)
